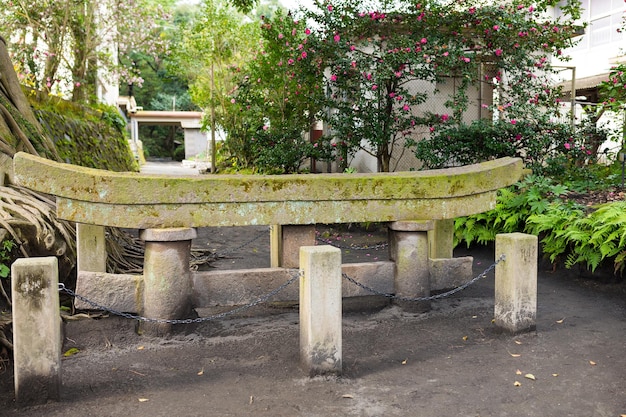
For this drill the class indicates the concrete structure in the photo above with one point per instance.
(36, 330)
(196, 141)
(408, 249)
(320, 310)
(516, 282)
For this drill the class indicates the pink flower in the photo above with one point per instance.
(444, 117)
(303, 54)
(232, 100)
(513, 121)
(307, 31)
(498, 52)
(465, 59)
(424, 40)
(496, 27)
(290, 61)
(352, 47)
(367, 76)
(265, 127)
(567, 146)
(280, 36)
(333, 77)
(374, 87)
(405, 107)
(336, 38)
(446, 53)
(353, 64)
(330, 7)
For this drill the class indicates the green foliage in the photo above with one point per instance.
(531, 196)
(543, 145)
(586, 239)
(7, 249)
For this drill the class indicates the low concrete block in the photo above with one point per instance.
(376, 275)
(450, 273)
(242, 286)
(36, 330)
(120, 292)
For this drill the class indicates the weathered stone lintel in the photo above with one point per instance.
(148, 216)
(94, 185)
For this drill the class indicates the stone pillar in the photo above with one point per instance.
(167, 281)
(516, 282)
(276, 245)
(441, 239)
(90, 248)
(286, 241)
(36, 330)
(408, 248)
(320, 310)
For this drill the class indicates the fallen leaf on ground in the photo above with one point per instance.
(517, 384)
(518, 372)
(530, 376)
(140, 348)
(517, 342)
(404, 362)
(201, 372)
(560, 321)
(465, 338)
(347, 396)
(592, 363)
(71, 351)
(515, 355)
(143, 400)
(555, 375)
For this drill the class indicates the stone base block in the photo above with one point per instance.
(448, 273)
(121, 292)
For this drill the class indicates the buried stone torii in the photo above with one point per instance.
(167, 209)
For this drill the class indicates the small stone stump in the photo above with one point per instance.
(515, 308)
(320, 310)
(36, 330)
(167, 281)
(408, 248)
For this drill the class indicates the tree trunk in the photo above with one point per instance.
(19, 128)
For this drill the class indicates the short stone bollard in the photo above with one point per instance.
(408, 248)
(516, 282)
(320, 310)
(167, 280)
(36, 330)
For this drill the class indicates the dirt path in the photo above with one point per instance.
(448, 362)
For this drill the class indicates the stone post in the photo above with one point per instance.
(320, 310)
(167, 281)
(408, 248)
(36, 330)
(441, 239)
(516, 282)
(91, 248)
(286, 241)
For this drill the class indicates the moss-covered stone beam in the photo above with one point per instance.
(134, 200)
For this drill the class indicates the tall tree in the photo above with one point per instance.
(70, 43)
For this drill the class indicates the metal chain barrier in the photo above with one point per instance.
(243, 245)
(376, 246)
(262, 299)
(432, 297)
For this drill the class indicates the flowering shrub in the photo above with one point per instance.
(375, 70)
(380, 63)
